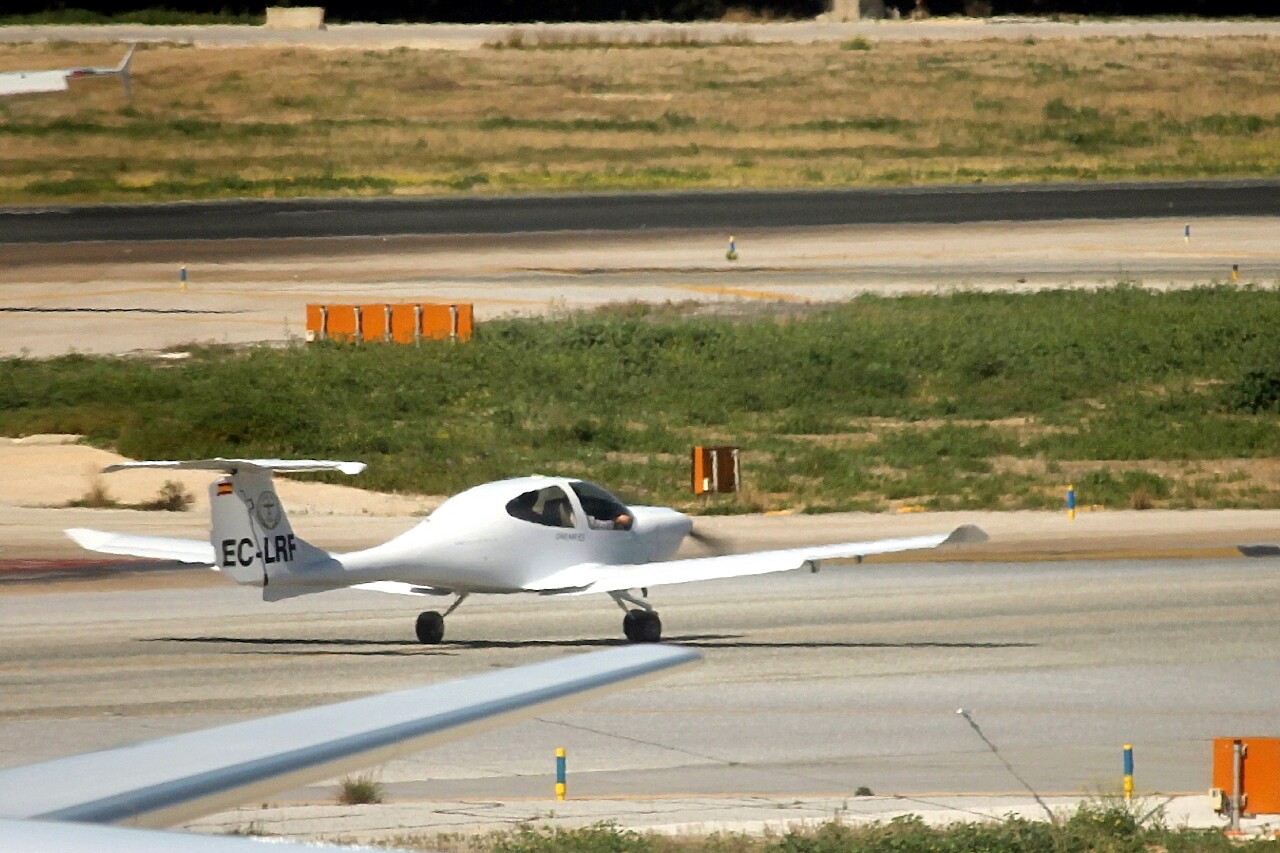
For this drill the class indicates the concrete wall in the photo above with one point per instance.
(295, 18)
(844, 11)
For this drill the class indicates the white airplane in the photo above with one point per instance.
(541, 535)
(61, 805)
(55, 80)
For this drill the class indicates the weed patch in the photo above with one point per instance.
(1096, 827)
(364, 789)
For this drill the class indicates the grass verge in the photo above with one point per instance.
(1093, 828)
(965, 401)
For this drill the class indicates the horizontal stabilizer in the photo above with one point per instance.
(151, 547)
(231, 466)
(166, 781)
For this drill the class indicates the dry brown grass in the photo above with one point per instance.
(265, 121)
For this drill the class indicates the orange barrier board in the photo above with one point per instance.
(403, 324)
(1260, 776)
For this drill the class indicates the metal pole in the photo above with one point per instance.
(1128, 772)
(561, 789)
(1237, 784)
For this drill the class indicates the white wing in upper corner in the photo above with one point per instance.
(172, 779)
(588, 578)
(194, 551)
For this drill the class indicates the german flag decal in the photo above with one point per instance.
(224, 488)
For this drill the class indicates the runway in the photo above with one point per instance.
(811, 685)
(735, 210)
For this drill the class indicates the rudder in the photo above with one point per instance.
(250, 532)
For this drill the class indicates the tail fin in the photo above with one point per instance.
(250, 532)
(123, 70)
(253, 541)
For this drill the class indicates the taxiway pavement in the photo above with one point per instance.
(121, 297)
(812, 685)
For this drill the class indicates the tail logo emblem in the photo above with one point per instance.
(268, 510)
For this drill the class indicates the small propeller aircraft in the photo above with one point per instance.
(67, 805)
(541, 535)
(55, 80)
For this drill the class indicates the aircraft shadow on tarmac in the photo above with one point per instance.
(346, 646)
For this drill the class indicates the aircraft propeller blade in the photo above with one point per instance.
(715, 546)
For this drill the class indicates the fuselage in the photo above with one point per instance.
(505, 536)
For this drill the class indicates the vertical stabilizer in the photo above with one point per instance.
(252, 539)
(123, 70)
(249, 529)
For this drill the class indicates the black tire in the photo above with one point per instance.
(640, 626)
(630, 624)
(430, 628)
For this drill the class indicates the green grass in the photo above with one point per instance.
(968, 400)
(1093, 828)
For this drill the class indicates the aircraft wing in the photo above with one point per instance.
(32, 836)
(196, 551)
(26, 82)
(166, 781)
(588, 578)
(1259, 550)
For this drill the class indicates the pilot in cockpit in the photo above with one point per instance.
(604, 511)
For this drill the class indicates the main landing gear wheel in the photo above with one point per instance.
(641, 626)
(430, 628)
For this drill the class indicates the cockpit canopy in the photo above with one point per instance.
(550, 506)
(602, 508)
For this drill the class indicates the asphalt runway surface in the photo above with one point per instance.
(811, 684)
(632, 212)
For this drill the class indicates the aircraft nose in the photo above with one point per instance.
(663, 528)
